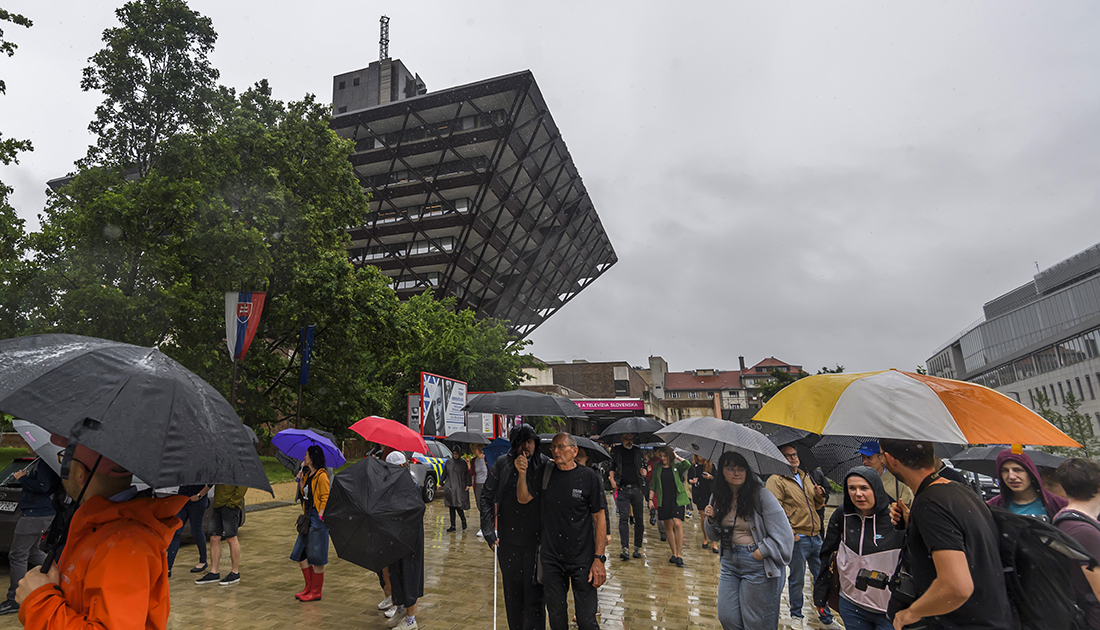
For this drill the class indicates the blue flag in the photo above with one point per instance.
(306, 341)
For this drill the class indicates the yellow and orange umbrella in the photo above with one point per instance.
(907, 406)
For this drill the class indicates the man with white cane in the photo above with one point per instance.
(513, 531)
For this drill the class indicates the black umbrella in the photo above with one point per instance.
(983, 459)
(465, 437)
(131, 404)
(374, 513)
(596, 453)
(802, 441)
(639, 426)
(521, 402)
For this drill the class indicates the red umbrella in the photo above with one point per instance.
(390, 433)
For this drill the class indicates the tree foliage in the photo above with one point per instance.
(779, 379)
(839, 369)
(1073, 423)
(156, 79)
(10, 147)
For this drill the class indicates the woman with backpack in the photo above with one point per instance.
(860, 536)
(1022, 490)
(756, 546)
(311, 548)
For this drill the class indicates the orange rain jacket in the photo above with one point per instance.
(114, 569)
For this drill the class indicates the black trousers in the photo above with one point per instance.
(556, 581)
(627, 500)
(461, 514)
(522, 594)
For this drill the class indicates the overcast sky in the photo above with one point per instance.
(825, 182)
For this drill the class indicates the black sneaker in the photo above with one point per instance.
(451, 528)
(637, 553)
(230, 579)
(8, 607)
(679, 562)
(198, 569)
(664, 538)
(625, 555)
(209, 578)
(672, 560)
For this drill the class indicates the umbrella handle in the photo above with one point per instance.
(495, 587)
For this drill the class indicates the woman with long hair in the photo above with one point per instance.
(479, 472)
(670, 497)
(311, 548)
(701, 480)
(756, 546)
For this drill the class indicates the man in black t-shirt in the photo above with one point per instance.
(951, 546)
(573, 539)
(626, 480)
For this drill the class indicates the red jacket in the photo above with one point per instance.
(114, 569)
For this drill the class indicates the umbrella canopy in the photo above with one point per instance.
(521, 402)
(983, 460)
(639, 426)
(495, 449)
(907, 406)
(390, 433)
(294, 464)
(465, 437)
(374, 513)
(596, 453)
(131, 404)
(710, 437)
(295, 442)
(39, 440)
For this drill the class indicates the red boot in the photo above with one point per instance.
(314, 593)
(308, 574)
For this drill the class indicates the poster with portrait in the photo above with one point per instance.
(441, 403)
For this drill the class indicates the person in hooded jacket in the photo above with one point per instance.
(1022, 490)
(113, 570)
(863, 537)
(514, 529)
(456, 488)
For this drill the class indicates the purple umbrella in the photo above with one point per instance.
(294, 442)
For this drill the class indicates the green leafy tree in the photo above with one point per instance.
(156, 79)
(779, 379)
(839, 369)
(14, 272)
(1073, 423)
(10, 147)
(921, 370)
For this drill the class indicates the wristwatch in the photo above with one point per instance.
(602, 559)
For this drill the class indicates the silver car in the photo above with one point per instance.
(427, 468)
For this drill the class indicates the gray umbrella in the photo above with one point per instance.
(710, 437)
(983, 459)
(521, 402)
(131, 404)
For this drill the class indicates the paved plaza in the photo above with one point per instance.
(458, 589)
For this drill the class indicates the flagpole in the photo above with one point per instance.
(233, 387)
(298, 420)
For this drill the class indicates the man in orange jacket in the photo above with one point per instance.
(113, 572)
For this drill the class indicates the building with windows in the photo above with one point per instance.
(1040, 341)
(717, 393)
(473, 193)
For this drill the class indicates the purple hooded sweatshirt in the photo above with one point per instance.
(1052, 502)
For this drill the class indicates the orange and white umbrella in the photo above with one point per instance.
(907, 406)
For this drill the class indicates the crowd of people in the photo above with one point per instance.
(908, 544)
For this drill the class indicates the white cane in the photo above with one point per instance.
(494, 587)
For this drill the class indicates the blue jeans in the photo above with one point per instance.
(191, 513)
(747, 598)
(858, 618)
(312, 547)
(807, 550)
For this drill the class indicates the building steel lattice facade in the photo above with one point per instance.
(474, 195)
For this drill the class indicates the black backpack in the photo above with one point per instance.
(1040, 562)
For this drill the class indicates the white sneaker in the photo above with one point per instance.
(832, 625)
(479, 535)
(397, 621)
(410, 624)
(385, 603)
(796, 623)
(391, 611)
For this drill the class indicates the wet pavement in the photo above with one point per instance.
(458, 589)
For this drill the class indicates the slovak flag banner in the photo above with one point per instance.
(242, 317)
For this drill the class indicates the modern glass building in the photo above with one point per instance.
(1040, 339)
(473, 193)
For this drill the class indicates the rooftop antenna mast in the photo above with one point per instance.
(384, 41)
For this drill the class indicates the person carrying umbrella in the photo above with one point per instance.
(514, 529)
(627, 475)
(113, 568)
(407, 574)
(36, 513)
(311, 548)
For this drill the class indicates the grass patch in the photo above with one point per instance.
(277, 473)
(8, 455)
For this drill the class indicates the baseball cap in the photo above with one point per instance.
(869, 448)
(88, 457)
(397, 458)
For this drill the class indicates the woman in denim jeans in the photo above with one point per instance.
(756, 541)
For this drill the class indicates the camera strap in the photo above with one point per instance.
(924, 484)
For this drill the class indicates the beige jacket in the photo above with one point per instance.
(895, 488)
(800, 503)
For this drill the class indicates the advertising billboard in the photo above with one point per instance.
(413, 411)
(441, 403)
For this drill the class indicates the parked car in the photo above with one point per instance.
(10, 487)
(427, 469)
